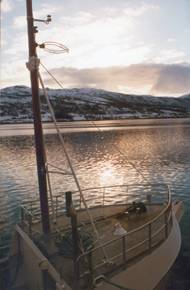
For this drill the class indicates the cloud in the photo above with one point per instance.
(19, 22)
(100, 39)
(6, 6)
(156, 79)
(173, 78)
(108, 47)
(140, 9)
(171, 40)
(170, 56)
(46, 9)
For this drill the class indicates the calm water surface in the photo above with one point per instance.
(161, 154)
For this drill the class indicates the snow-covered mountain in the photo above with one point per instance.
(186, 96)
(87, 103)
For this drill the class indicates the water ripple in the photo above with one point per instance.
(160, 154)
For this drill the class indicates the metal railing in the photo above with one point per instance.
(126, 248)
(121, 250)
(97, 196)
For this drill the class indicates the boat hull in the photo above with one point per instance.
(146, 272)
(152, 271)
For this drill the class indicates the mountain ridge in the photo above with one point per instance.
(90, 103)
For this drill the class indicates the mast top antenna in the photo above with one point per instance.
(46, 21)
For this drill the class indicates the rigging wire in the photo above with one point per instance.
(99, 129)
(51, 75)
(59, 170)
(50, 192)
(67, 156)
(70, 163)
(49, 184)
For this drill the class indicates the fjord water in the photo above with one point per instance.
(160, 155)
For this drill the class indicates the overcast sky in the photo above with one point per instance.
(130, 46)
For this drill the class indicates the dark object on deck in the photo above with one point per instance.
(64, 243)
(136, 207)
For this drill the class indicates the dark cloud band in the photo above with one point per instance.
(159, 79)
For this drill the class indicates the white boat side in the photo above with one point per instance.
(147, 273)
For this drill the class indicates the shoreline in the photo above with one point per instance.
(91, 126)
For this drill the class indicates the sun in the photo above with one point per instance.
(107, 174)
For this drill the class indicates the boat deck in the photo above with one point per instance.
(100, 252)
(103, 258)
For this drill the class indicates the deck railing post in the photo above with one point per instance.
(31, 206)
(149, 198)
(149, 236)
(80, 201)
(103, 195)
(30, 223)
(171, 219)
(70, 212)
(166, 224)
(56, 206)
(44, 279)
(90, 265)
(124, 248)
(103, 200)
(22, 214)
(127, 194)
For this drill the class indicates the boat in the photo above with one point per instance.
(84, 239)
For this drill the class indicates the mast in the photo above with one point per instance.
(40, 153)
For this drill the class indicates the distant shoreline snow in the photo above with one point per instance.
(90, 104)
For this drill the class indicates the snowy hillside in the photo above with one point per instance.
(85, 104)
(187, 97)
